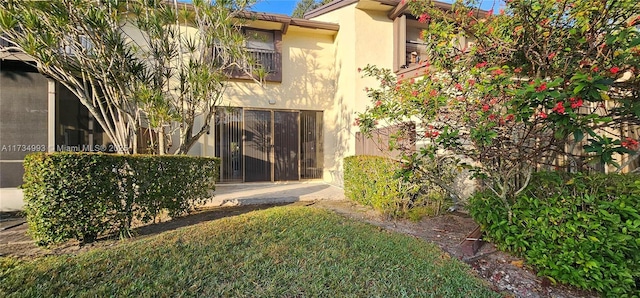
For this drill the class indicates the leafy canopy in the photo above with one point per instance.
(543, 83)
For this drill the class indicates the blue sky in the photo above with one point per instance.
(286, 6)
(275, 6)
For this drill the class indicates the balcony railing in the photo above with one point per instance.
(261, 57)
(265, 58)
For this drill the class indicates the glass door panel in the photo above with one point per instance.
(229, 143)
(257, 137)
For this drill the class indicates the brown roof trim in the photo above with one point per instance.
(331, 6)
(388, 2)
(285, 20)
(398, 10)
(314, 24)
(289, 21)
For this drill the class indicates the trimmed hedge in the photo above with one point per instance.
(573, 228)
(373, 181)
(84, 195)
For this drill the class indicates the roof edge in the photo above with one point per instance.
(289, 21)
(329, 7)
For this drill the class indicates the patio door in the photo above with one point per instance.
(286, 145)
(257, 145)
(268, 145)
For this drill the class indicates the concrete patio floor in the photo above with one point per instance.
(270, 193)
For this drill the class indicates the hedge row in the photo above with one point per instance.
(373, 181)
(85, 195)
(578, 229)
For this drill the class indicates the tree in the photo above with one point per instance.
(545, 83)
(304, 6)
(166, 74)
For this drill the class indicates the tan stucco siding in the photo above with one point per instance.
(308, 83)
(365, 37)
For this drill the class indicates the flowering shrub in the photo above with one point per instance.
(537, 87)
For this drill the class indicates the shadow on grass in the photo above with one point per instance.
(15, 242)
(200, 216)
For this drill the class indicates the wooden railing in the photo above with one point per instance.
(265, 58)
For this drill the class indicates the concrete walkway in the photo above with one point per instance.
(269, 193)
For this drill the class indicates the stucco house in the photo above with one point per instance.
(295, 126)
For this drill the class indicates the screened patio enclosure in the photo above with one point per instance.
(268, 145)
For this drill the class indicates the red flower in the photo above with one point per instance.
(518, 70)
(458, 86)
(501, 11)
(472, 82)
(542, 87)
(481, 64)
(433, 93)
(485, 107)
(412, 81)
(424, 18)
(614, 70)
(510, 117)
(470, 13)
(551, 55)
(359, 69)
(378, 103)
(493, 117)
(497, 72)
(542, 115)
(595, 69)
(630, 144)
(431, 134)
(559, 108)
(414, 93)
(490, 12)
(575, 103)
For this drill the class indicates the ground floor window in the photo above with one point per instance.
(268, 145)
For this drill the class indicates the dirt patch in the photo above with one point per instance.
(505, 273)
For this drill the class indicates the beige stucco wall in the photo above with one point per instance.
(308, 83)
(365, 37)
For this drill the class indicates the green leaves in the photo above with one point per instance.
(574, 228)
(383, 184)
(82, 196)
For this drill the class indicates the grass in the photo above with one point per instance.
(278, 252)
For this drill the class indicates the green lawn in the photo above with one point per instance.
(278, 252)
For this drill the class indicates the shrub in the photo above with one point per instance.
(574, 228)
(84, 195)
(374, 181)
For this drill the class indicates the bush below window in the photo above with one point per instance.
(84, 195)
(573, 228)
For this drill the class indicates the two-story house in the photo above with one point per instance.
(297, 125)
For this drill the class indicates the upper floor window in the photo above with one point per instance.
(264, 46)
(82, 42)
(410, 44)
(261, 46)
